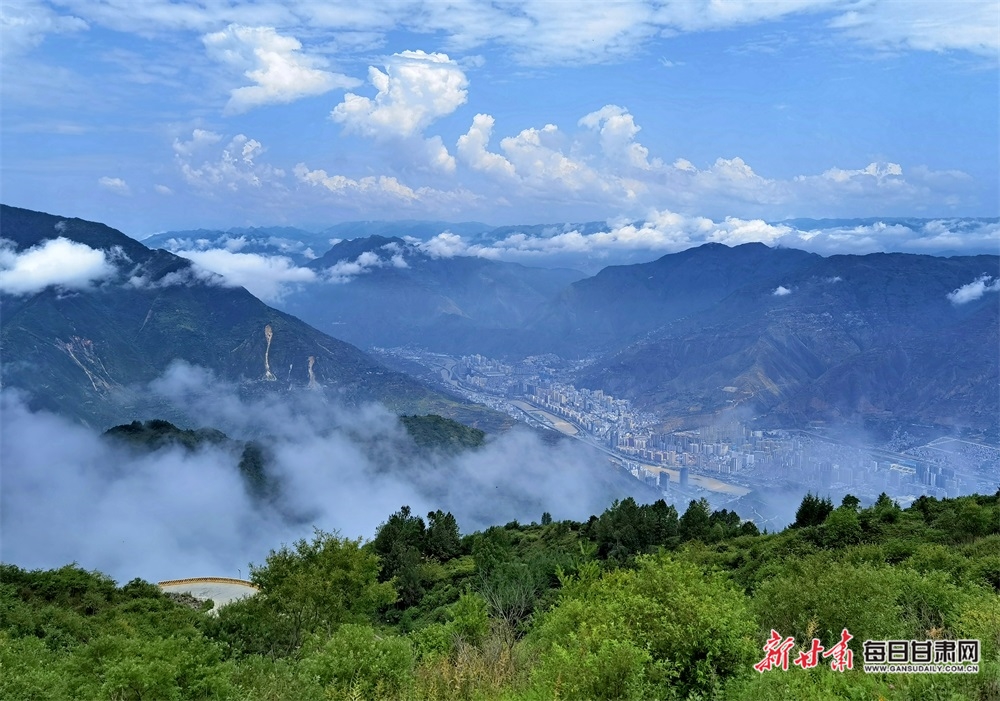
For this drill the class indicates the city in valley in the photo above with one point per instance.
(724, 461)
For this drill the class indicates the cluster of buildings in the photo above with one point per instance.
(730, 450)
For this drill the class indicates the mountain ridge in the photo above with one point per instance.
(90, 354)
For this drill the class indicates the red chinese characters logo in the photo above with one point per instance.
(777, 649)
(775, 652)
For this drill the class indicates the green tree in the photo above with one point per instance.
(442, 539)
(314, 586)
(812, 511)
(661, 523)
(695, 523)
(850, 502)
(841, 528)
(620, 531)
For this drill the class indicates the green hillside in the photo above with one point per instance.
(90, 355)
(638, 603)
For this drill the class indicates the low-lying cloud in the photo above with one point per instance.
(665, 231)
(271, 277)
(265, 276)
(974, 290)
(173, 513)
(58, 262)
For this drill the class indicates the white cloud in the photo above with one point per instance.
(926, 25)
(162, 189)
(24, 25)
(381, 190)
(472, 145)
(275, 63)
(115, 185)
(342, 185)
(56, 262)
(781, 291)
(538, 158)
(664, 231)
(266, 277)
(416, 89)
(436, 154)
(878, 171)
(974, 290)
(599, 168)
(447, 245)
(617, 129)
(734, 178)
(199, 139)
(238, 166)
(345, 270)
(604, 164)
(536, 32)
(190, 275)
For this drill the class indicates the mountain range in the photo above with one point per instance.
(874, 337)
(404, 295)
(90, 353)
(787, 336)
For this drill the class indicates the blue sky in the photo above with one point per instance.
(161, 115)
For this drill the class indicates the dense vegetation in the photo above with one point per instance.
(436, 432)
(640, 602)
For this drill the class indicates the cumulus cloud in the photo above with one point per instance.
(472, 149)
(597, 168)
(781, 291)
(449, 245)
(115, 185)
(57, 262)
(974, 290)
(275, 63)
(379, 190)
(266, 277)
(339, 184)
(617, 130)
(237, 167)
(539, 159)
(437, 156)
(603, 164)
(174, 513)
(200, 138)
(416, 89)
(162, 190)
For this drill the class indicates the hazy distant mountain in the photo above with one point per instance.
(394, 293)
(89, 353)
(874, 336)
(415, 228)
(621, 303)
